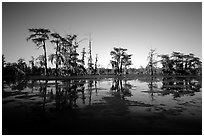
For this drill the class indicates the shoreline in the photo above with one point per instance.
(107, 76)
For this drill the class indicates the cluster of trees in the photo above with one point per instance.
(120, 60)
(175, 64)
(67, 62)
(180, 64)
(21, 68)
(14, 69)
(65, 58)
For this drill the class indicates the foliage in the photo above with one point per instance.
(39, 36)
(66, 59)
(83, 57)
(120, 58)
(68, 51)
(180, 64)
(57, 57)
(152, 63)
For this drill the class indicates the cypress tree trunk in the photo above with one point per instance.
(121, 66)
(45, 61)
(118, 67)
(57, 60)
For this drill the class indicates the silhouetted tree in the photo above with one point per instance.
(195, 64)
(32, 62)
(40, 62)
(167, 64)
(57, 56)
(117, 56)
(21, 64)
(83, 56)
(95, 69)
(180, 64)
(152, 64)
(177, 58)
(39, 37)
(68, 51)
(90, 63)
(126, 61)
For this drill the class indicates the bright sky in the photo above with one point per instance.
(138, 27)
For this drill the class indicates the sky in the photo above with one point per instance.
(138, 27)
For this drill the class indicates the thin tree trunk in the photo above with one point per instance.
(118, 68)
(45, 54)
(57, 60)
(121, 66)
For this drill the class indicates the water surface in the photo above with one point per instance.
(104, 106)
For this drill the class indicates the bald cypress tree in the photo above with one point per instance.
(39, 36)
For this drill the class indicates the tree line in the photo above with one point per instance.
(175, 64)
(180, 64)
(67, 62)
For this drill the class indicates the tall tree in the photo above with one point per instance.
(90, 63)
(39, 37)
(118, 59)
(32, 63)
(180, 64)
(83, 56)
(56, 40)
(152, 62)
(96, 61)
(69, 52)
(73, 53)
(126, 61)
(40, 61)
(195, 64)
(177, 58)
(21, 64)
(167, 64)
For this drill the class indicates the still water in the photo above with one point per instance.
(103, 106)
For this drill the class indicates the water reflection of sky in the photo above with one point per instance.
(141, 97)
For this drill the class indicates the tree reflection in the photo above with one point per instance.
(19, 84)
(124, 89)
(180, 86)
(72, 96)
(176, 86)
(43, 92)
(90, 85)
(31, 85)
(65, 96)
(95, 84)
(82, 89)
(152, 87)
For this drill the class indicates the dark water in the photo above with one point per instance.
(106, 106)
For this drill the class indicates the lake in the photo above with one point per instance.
(143, 105)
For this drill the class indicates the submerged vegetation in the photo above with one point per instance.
(67, 62)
